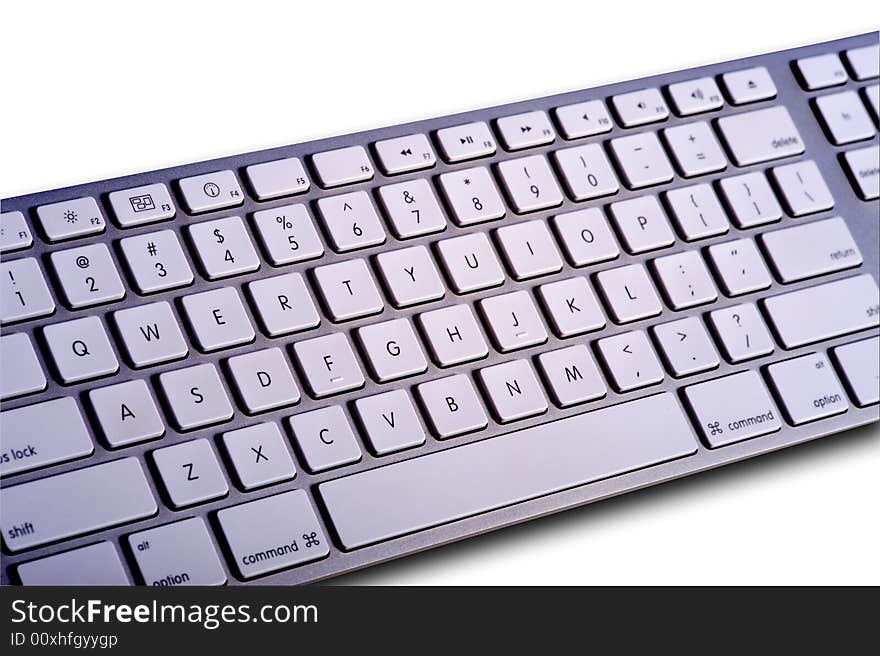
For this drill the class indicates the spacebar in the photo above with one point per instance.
(442, 487)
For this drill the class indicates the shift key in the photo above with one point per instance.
(761, 136)
(74, 503)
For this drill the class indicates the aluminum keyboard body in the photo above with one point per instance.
(351, 545)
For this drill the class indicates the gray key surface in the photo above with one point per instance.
(282, 177)
(140, 205)
(761, 136)
(177, 554)
(96, 564)
(80, 349)
(14, 232)
(42, 434)
(73, 503)
(126, 413)
(24, 294)
(441, 487)
(21, 372)
(71, 218)
(273, 533)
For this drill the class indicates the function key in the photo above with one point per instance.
(864, 62)
(695, 96)
(403, 154)
(140, 205)
(464, 142)
(71, 218)
(283, 177)
(14, 232)
(526, 130)
(821, 71)
(845, 117)
(211, 191)
(749, 85)
(640, 107)
(583, 119)
(342, 166)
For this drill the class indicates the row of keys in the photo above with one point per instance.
(88, 276)
(806, 386)
(823, 71)
(752, 138)
(81, 349)
(220, 190)
(173, 554)
(156, 261)
(196, 397)
(727, 410)
(366, 507)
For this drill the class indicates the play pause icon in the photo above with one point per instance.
(466, 139)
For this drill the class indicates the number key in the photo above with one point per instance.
(412, 208)
(472, 196)
(87, 276)
(24, 294)
(155, 261)
(224, 248)
(351, 221)
(529, 184)
(586, 172)
(288, 234)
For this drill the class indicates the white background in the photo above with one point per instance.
(97, 90)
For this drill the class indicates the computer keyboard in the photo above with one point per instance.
(285, 365)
